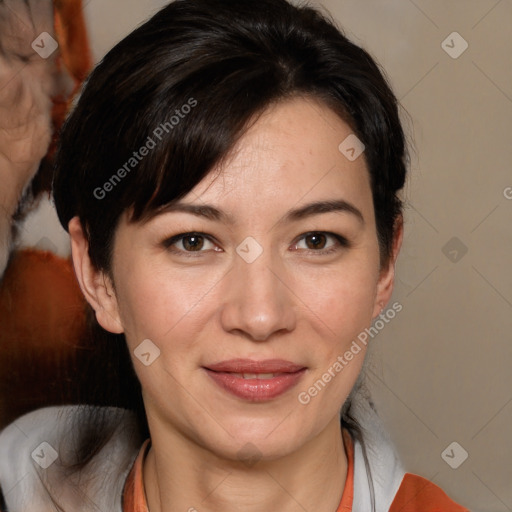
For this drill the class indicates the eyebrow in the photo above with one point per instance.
(314, 208)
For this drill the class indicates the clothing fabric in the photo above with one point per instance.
(113, 480)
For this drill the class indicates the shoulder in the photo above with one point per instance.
(379, 453)
(395, 490)
(416, 494)
(37, 449)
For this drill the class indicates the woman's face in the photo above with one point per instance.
(267, 285)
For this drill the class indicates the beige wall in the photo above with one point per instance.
(442, 367)
(440, 370)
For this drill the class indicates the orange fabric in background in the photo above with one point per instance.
(40, 302)
(42, 321)
(72, 37)
(75, 57)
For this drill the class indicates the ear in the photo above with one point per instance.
(387, 274)
(96, 286)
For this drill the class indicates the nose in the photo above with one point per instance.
(257, 303)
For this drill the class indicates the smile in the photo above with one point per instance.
(255, 381)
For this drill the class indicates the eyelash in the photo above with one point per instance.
(342, 242)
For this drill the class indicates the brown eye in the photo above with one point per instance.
(320, 242)
(315, 241)
(193, 242)
(189, 243)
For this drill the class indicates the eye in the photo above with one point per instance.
(189, 243)
(318, 242)
(194, 243)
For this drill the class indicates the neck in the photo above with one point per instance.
(179, 476)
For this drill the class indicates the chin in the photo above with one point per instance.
(252, 440)
(250, 451)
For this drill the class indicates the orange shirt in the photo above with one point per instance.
(134, 498)
(414, 495)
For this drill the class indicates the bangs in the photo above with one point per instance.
(158, 138)
(169, 102)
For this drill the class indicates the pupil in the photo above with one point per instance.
(317, 240)
(194, 245)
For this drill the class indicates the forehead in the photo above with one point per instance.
(290, 154)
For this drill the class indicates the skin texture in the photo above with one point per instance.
(290, 303)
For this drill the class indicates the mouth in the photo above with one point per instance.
(255, 381)
(255, 375)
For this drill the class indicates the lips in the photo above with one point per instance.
(255, 381)
(258, 367)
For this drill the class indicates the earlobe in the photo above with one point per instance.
(387, 275)
(95, 284)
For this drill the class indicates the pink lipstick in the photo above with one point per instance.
(255, 381)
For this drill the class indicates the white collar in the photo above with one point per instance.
(21, 476)
(20, 446)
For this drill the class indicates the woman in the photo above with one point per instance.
(229, 179)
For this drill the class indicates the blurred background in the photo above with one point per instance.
(440, 371)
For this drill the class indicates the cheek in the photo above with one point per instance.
(341, 297)
(339, 311)
(154, 303)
